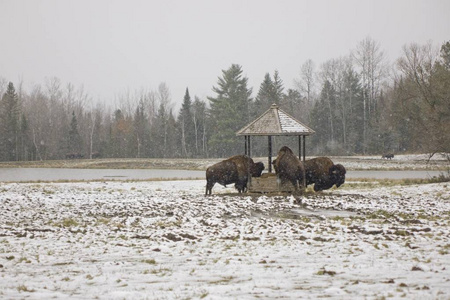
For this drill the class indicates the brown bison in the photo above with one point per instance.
(74, 156)
(288, 167)
(388, 156)
(232, 170)
(324, 173)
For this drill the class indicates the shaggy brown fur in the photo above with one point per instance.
(232, 170)
(288, 167)
(324, 173)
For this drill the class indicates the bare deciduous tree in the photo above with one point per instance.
(371, 62)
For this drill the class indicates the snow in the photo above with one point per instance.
(166, 240)
(288, 124)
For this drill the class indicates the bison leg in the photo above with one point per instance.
(209, 186)
(240, 187)
(318, 187)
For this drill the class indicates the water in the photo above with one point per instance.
(407, 174)
(54, 174)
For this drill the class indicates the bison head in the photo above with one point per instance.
(285, 149)
(337, 174)
(257, 169)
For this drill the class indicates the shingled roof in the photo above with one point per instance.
(275, 121)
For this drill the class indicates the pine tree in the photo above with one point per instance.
(229, 111)
(24, 139)
(199, 116)
(265, 96)
(141, 131)
(186, 128)
(295, 105)
(278, 88)
(9, 125)
(160, 132)
(75, 145)
(351, 110)
(324, 119)
(120, 134)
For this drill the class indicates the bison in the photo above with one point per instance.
(74, 156)
(232, 170)
(288, 167)
(324, 173)
(388, 156)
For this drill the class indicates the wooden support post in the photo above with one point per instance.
(249, 146)
(304, 156)
(304, 148)
(245, 146)
(270, 154)
(300, 147)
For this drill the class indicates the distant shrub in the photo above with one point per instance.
(441, 178)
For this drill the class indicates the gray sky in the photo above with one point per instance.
(111, 46)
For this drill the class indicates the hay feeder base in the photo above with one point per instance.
(267, 183)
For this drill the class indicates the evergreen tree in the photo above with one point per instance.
(320, 125)
(278, 88)
(295, 105)
(270, 92)
(173, 144)
(265, 97)
(199, 116)
(160, 132)
(324, 119)
(229, 111)
(120, 135)
(186, 127)
(9, 124)
(74, 140)
(141, 132)
(424, 96)
(24, 139)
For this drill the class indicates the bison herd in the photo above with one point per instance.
(320, 171)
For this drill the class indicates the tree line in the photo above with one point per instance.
(357, 104)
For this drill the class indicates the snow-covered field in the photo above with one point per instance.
(165, 240)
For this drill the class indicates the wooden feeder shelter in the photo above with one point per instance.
(274, 122)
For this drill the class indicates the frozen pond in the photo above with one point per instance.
(404, 174)
(50, 174)
(54, 174)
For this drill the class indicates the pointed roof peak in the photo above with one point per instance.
(275, 121)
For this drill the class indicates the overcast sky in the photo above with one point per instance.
(113, 46)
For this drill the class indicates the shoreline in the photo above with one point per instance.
(352, 163)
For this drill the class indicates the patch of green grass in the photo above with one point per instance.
(163, 224)
(69, 222)
(24, 288)
(149, 261)
(402, 233)
(123, 237)
(161, 272)
(24, 259)
(323, 271)
(443, 252)
(223, 280)
(102, 221)
(48, 192)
